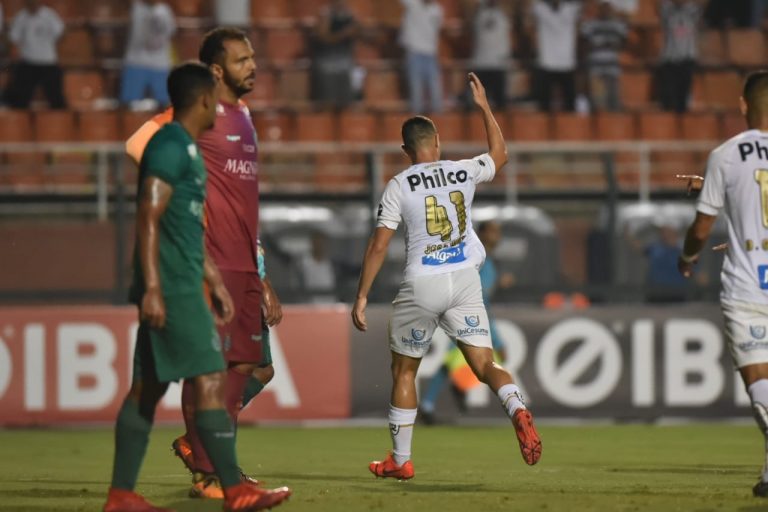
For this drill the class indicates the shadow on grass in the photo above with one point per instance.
(416, 487)
(697, 469)
(47, 493)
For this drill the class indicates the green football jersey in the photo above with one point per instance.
(172, 156)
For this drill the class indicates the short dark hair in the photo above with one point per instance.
(756, 88)
(416, 130)
(187, 82)
(212, 50)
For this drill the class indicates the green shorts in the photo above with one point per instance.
(266, 349)
(186, 347)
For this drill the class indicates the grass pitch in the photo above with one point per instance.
(607, 468)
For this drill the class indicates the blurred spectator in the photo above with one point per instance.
(663, 281)
(729, 13)
(492, 49)
(420, 36)
(555, 23)
(233, 13)
(35, 31)
(680, 20)
(604, 36)
(317, 271)
(333, 59)
(148, 58)
(759, 7)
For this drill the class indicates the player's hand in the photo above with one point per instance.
(685, 267)
(720, 247)
(695, 182)
(223, 307)
(153, 308)
(273, 310)
(478, 91)
(358, 314)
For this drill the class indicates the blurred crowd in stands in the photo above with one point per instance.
(571, 53)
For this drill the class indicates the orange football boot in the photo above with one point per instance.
(388, 468)
(120, 500)
(530, 442)
(244, 497)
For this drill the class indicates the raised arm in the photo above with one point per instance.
(497, 146)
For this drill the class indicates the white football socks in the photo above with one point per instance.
(511, 399)
(401, 429)
(758, 392)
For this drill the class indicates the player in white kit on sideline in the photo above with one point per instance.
(736, 182)
(433, 198)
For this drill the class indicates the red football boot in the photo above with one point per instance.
(388, 468)
(530, 442)
(245, 497)
(120, 500)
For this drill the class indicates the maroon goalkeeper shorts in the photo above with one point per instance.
(241, 338)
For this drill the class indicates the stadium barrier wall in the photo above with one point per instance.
(72, 365)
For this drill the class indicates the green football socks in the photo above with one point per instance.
(131, 438)
(252, 388)
(217, 434)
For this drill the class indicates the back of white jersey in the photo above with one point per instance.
(737, 181)
(435, 202)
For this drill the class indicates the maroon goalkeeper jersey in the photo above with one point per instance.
(232, 202)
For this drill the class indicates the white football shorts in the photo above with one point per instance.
(746, 330)
(453, 300)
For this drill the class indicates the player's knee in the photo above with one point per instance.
(244, 368)
(209, 389)
(265, 374)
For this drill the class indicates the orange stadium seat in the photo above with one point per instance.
(362, 9)
(569, 126)
(452, 126)
(15, 126)
(391, 126)
(382, 88)
(388, 12)
(712, 48)
(55, 126)
(452, 9)
(636, 89)
(722, 89)
(107, 10)
(273, 126)
(746, 48)
(316, 127)
(366, 53)
(264, 88)
(193, 8)
(188, 41)
(659, 126)
(645, 14)
(529, 126)
(23, 169)
(294, 87)
(82, 87)
(476, 126)
(615, 126)
(107, 43)
(68, 10)
(271, 10)
(76, 48)
(339, 171)
(285, 45)
(309, 8)
(732, 124)
(132, 121)
(100, 126)
(358, 127)
(700, 126)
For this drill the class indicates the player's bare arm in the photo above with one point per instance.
(273, 309)
(154, 199)
(695, 239)
(694, 181)
(223, 307)
(375, 254)
(497, 147)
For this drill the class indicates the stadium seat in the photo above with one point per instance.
(529, 126)
(316, 127)
(700, 126)
(712, 48)
(15, 126)
(645, 14)
(722, 89)
(285, 45)
(193, 8)
(82, 87)
(746, 48)
(130, 121)
(23, 170)
(100, 126)
(476, 126)
(187, 43)
(108, 42)
(272, 126)
(659, 126)
(569, 126)
(367, 53)
(271, 11)
(615, 126)
(68, 10)
(391, 126)
(55, 126)
(308, 8)
(636, 89)
(382, 88)
(107, 10)
(452, 126)
(264, 88)
(76, 47)
(388, 13)
(732, 123)
(362, 9)
(358, 127)
(294, 87)
(339, 171)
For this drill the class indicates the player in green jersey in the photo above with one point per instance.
(176, 337)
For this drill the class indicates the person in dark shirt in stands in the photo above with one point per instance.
(333, 60)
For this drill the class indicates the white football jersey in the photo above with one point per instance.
(435, 202)
(737, 181)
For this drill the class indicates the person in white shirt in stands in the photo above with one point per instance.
(736, 183)
(35, 31)
(556, 25)
(148, 58)
(492, 49)
(420, 37)
(441, 286)
(317, 271)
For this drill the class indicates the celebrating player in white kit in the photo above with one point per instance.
(736, 181)
(433, 198)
